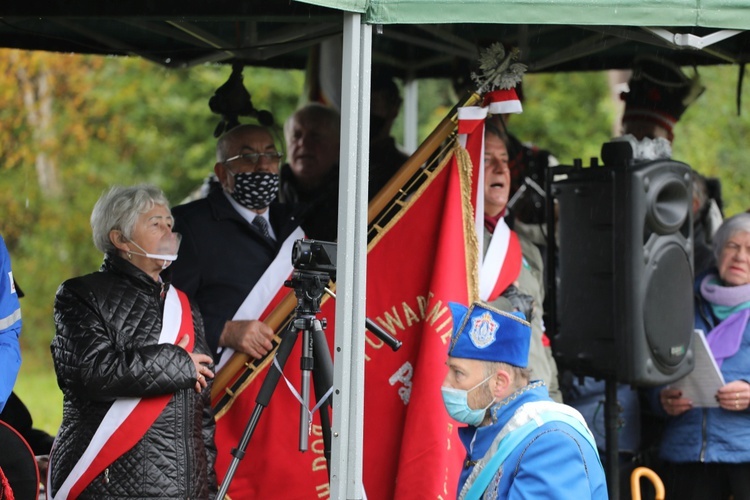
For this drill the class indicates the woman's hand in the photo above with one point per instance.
(673, 402)
(734, 396)
(200, 361)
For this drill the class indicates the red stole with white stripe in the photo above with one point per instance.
(268, 291)
(501, 265)
(128, 419)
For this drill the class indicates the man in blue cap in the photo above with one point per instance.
(519, 442)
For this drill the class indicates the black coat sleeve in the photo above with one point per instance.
(94, 362)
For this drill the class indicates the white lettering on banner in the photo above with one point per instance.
(392, 320)
(403, 375)
(324, 490)
(319, 464)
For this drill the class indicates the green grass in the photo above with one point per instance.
(37, 387)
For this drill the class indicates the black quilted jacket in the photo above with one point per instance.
(106, 347)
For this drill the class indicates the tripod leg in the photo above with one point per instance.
(307, 363)
(322, 382)
(261, 402)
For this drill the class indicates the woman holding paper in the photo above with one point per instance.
(133, 364)
(707, 450)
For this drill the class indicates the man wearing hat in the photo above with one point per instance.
(659, 93)
(519, 443)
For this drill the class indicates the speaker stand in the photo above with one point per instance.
(611, 412)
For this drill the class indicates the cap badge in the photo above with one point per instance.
(483, 330)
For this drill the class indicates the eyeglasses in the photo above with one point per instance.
(254, 158)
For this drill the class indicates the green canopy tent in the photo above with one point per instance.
(711, 14)
(415, 38)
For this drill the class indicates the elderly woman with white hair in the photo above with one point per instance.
(707, 450)
(133, 364)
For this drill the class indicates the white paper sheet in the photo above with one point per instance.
(701, 385)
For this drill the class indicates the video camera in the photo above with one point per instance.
(315, 256)
(314, 265)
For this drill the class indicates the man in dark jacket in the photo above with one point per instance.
(385, 156)
(231, 237)
(234, 258)
(311, 178)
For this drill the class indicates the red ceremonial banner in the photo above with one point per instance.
(424, 259)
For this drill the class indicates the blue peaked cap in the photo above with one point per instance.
(488, 334)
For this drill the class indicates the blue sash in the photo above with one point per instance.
(514, 438)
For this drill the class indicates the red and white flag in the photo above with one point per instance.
(500, 265)
(424, 258)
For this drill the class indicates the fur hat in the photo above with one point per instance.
(659, 93)
(488, 334)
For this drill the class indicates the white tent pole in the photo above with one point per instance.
(411, 110)
(349, 345)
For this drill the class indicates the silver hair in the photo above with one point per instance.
(225, 143)
(739, 223)
(322, 114)
(119, 208)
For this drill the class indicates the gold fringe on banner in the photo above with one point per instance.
(470, 233)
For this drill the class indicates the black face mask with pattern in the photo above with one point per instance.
(255, 190)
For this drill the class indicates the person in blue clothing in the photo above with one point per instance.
(519, 442)
(10, 328)
(707, 450)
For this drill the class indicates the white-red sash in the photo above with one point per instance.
(268, 291)
(128, 419)
(502, 263)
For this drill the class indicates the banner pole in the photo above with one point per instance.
(420, 156)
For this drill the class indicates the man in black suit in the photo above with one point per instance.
(236, 243)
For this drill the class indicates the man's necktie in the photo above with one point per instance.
(262, 225)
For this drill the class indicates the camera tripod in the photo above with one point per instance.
(315, 363)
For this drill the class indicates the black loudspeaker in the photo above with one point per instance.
(625, 256)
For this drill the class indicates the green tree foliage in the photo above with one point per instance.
(568, 114)
(74, 125)
(713, 138)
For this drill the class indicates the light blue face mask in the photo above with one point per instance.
(456, 401)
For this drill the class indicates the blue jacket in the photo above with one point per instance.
(10, 328)
(554, 461)
(712, 434)
(588, 398)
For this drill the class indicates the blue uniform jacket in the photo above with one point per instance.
(10, 328)
(711, 434)
(553, 462)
